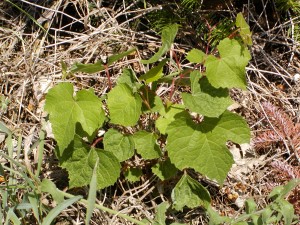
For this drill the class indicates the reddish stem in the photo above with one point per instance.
(173, 85)
(99, 139)
(233, 34)
(108, 76)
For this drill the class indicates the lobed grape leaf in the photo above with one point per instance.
(203, 146)
(122, 146)
(167, 37)
(205, 99)
(66, 111)
(145, 144)
(79, 160)
(244, 29)
(167, 117)
(228, 71)
(189, 192)
(124, 106)
(196, 56)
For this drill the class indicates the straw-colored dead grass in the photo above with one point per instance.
(75, 32)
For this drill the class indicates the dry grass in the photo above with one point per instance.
(74, 32)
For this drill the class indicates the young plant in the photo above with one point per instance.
(173, 139)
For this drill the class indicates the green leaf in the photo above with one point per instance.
(164, 170)
(160, 217)
(282, 191)
(244, 29)
(228, 71)
(127, 77)
(266, 215)
(79, 160)
(157, 105)
(11, 216)
(154, 73)
(250, 206)
(87, 68)
(145, 145)
(151, 101)
(114, 58)
(287, 211)
(167, 117)
(205, 99)
(196, 56)
(66, 111)
(124, 106)
(49, 187)
(98, 66)
(122, 146)
(215, 218)
(203, 146)
(133, 174)
(5, 129)
(168, 35)
(189, 192)
(34, 201)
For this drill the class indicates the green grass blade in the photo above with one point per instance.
(27, 14)
(9, 144)
(58, 209)
(24, 206)
(11, 216)
(4, 196)
(92, 195)
(5, 129)
(34, 202)
(40, 152)
(19, 147)
(29, 182)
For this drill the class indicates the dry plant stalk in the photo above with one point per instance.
(284, 130)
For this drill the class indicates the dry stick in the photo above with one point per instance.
(53, 10)
(293, 42)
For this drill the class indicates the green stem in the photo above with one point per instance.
(101, 207)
